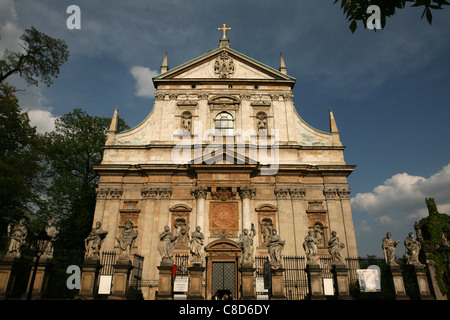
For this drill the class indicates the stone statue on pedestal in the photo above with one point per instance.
(310, 246)
(413, 247)
(17, 235)
(94, 241)
(126, 240)
(335, 247)
(389, 246)
(52, 233)
(246, 243)
(166, 245)
(276, 246)
(197, 250)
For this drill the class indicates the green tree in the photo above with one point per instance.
(40, 61)
(20, 165)
(356, 10)
(434, 228)
(71, 152)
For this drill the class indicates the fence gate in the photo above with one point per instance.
(295, 278)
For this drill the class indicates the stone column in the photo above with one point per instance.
(300, 219)
(315, 282)
(199, 193)
(195, 282)
(344, 195)
(101, 195)
(164, 195)
(111, 217)
(7, 276)
(121, 277)
(278, 285)
(342, 281)
(40, 283)
(397, 279)
(248, 282)
(246, 193)
(165, 284)
(149, 234)
(422, 281)
(89, 278)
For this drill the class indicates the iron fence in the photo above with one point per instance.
(182, 262)
(296, 277)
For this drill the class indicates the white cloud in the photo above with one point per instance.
(400, 200)
(43, 120)
(9, 30)
(144, 83)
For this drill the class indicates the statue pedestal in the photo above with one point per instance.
(397, 278)
(422, 281)
(341, 279)
(8, 276)
(89, 274)
(195, 282)
(40, 281)
(165, 282)
(278, 284)
(247, 282)
(122, 270)
(315, 282)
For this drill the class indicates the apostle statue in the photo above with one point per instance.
(335, 247)
(52, 233)
(166, 245)
(246, 243)
(318, 234)
(389, 246)
(413, 247)
(186, 122)
(276, 246)
(182, 232)
(94, 241)
(310, 246)
(126, 239)
(197, 250)
(17, 234)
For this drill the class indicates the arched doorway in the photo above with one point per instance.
(222, 258)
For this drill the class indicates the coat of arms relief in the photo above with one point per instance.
(224, 66)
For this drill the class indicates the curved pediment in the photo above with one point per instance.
(223, 245)
(224, 100)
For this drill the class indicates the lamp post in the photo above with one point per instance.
(41, 241)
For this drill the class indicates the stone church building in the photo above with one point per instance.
(223, 148)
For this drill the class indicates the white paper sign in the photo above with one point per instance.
(260, 285)
(368, 280)
(328, 287)
(181, 284)
(104, 286)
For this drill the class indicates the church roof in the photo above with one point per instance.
(200, 69)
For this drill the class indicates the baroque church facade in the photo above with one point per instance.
(223, 149)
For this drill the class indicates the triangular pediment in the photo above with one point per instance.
(223, 157)
(224, 63)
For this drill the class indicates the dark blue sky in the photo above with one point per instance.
(389, 90)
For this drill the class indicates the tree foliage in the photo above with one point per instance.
(71, 151)
(20, 165)
(435, 230)
(356, 10)
(40, 61)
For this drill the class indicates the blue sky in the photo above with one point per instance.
(389, 89)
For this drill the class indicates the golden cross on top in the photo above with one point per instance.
(224, 28)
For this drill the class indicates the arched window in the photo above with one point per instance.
(224, 124)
